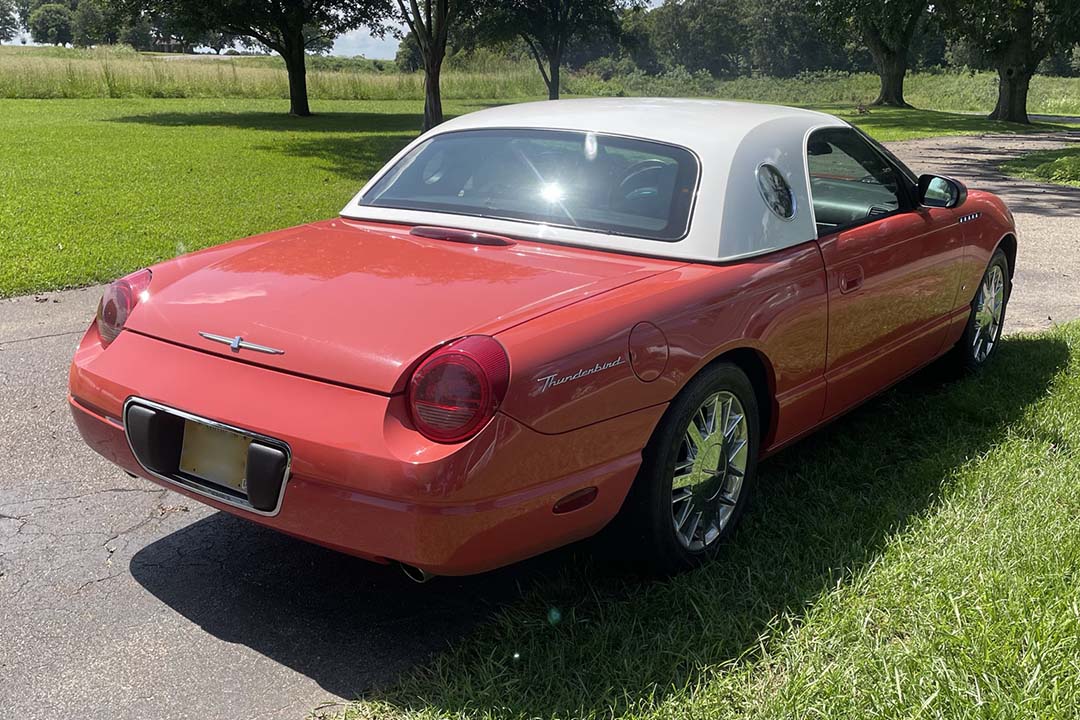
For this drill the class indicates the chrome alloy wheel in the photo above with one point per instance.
(989, 307)
(709, 471)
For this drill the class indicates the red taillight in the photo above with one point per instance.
(119, 299)
(457, 390)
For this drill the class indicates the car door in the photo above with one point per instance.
(892, 266)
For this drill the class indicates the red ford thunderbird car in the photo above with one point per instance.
(540, 317)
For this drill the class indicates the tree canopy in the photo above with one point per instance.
(9, 21)
(51, 24)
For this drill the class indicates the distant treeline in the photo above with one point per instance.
(748, 38)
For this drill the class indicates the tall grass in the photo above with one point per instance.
(112, 73)
(116, 74)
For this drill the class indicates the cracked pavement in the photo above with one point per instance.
(119, 599)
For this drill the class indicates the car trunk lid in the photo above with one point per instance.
(358, 303)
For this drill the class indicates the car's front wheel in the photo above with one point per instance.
(696, 475)
(983, 331)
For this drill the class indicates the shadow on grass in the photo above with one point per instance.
(932, 122)
(356, 157)
(331, 122)
(353, 145)
(824, 509)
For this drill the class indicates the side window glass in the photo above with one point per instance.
(849, 181)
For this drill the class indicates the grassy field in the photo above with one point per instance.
(896, 565)
(92, 189)
(65, 73)
(1053, 166)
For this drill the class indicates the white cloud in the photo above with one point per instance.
(360, 42)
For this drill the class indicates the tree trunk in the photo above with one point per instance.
(433, 114)
(1013, 82)
(553, 77)
(892, 68)
(1016, 63)
(296, 67)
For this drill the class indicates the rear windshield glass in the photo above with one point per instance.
(615, 185)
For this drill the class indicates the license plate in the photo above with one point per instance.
(215, 455)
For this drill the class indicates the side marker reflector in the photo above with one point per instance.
(575, 501)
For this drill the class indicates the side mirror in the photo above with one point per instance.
(942, 192)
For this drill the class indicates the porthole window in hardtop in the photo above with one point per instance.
(776, 192)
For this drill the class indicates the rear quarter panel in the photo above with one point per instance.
(775, 305)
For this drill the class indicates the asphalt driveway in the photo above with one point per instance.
(122, 600)
(119, 599)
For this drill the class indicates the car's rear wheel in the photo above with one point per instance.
(696, 475)
(983, 331)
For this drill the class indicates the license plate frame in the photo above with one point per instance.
(215, 455)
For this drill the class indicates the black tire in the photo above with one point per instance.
(968, 354)
(646, 526)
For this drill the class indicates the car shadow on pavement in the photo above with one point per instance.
(347, 623)
(824, 509)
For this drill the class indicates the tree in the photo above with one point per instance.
(548, 27)
(51, 24)
(23, 8)
(429, 23)
(408, 58)
(139, 34)
(218, 41)
(9, 23)
(88, 26)
(288, 27)
(782, 39)
(1015, 35)
(887, 27)
(678, 28)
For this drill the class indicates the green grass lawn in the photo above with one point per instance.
(92, 189)
(1052, 166)
(917, 559)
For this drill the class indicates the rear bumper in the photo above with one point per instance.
(361, 481)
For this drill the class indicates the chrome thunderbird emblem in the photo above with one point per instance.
(236, 344)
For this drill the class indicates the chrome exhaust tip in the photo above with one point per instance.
(415, 574)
